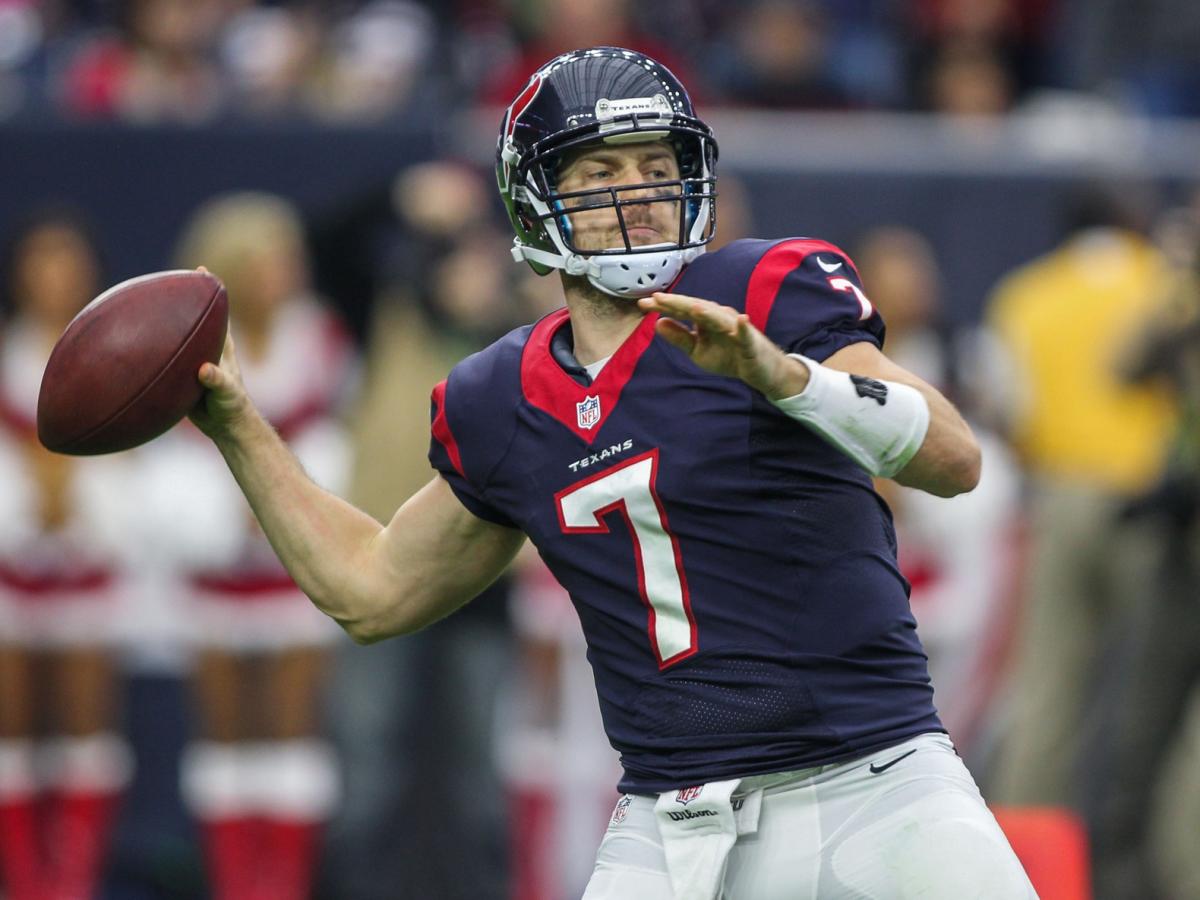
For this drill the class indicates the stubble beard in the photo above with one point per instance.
(596, 302)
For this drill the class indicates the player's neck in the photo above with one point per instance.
(600, 322)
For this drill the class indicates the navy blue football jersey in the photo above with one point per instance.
(735, 575)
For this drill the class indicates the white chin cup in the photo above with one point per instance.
(629, 275)
(638, 274)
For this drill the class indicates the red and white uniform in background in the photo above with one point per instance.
(558, 763)
(58, 591)
(260, 803)
(962, 555)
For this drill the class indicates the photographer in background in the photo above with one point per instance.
(1147, 814)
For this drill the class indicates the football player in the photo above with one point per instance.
(689, 443)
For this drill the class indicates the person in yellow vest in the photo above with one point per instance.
(1089, 441)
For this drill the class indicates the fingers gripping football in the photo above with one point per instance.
(722, 340)
(225, 399)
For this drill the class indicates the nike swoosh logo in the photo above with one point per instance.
(876, 769)
(828, 267)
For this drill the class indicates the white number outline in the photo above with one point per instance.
(847, 286)
(581, 509)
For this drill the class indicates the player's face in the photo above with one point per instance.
(631, 168)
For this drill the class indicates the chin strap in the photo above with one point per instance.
(630, 275)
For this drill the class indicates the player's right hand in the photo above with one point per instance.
(225, 401)
(722, 340)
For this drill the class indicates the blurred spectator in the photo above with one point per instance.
(185, 61)
(34, 34)
(269, 53)
(777, 56)
(868, 56)
(21, 36)
(958, 554)
(260, 777)
(374, 60)
(968, 81)
(1146, 54)
(157, 67)
(363, 60)
(63, 766)
(551, 27)
(1013, 34)
(425, 751)
(1089, 443)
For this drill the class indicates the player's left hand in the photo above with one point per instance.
(722, 340)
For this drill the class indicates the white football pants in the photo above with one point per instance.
(905, 822)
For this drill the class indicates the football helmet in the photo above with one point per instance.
(616, 96)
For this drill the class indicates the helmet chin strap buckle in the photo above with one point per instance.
(578, 265)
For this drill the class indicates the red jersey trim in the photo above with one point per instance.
(246, 585)
(16, 420)
(550, 389)
(774, 266)
(441, 428)
(41, 584)
(302, 416)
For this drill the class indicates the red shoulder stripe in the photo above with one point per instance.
(441, 428)
(774, 266)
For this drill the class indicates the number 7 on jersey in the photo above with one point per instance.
(628, 489)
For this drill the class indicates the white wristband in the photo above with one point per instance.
(878, 424)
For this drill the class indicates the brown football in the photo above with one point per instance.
(125, 369)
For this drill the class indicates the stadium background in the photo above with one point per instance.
(976, 128)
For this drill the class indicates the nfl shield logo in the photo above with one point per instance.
(621, 809)
(688, 794)
(588, 412)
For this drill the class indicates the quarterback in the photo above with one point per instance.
(689, 443)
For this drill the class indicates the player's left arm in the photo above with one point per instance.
(938, 453)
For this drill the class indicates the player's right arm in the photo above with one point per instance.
(376, 581)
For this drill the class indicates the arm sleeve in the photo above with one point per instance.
(806, 296)
(446, 456)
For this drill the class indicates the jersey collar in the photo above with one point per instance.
(581, 408)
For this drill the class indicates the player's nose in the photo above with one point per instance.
(640, 193)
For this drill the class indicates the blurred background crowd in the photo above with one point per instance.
(367, 60)
(176, 721)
